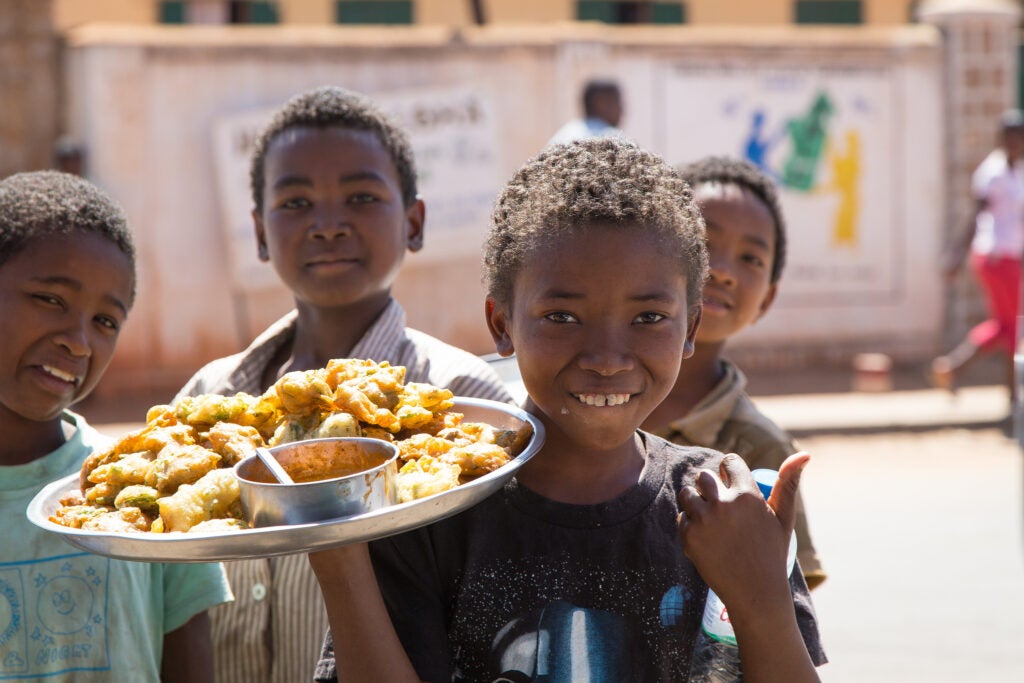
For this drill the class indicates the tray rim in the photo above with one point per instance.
(270, 541)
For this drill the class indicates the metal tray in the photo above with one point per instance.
(297, 538)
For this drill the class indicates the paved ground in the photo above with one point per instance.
(921, 534)
(915, 502)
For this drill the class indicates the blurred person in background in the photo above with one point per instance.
(993, 243)
(602, 113)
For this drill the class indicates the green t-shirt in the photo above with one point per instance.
(70, 615)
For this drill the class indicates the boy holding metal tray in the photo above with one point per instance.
(592, 564)
(335, 210)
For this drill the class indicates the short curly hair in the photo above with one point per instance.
(603, 181)
(726, 170)
(38, 204)
(334, 107)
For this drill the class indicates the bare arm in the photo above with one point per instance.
(366, 647)
(188, 656)
(738, 545)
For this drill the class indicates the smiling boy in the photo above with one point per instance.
(67, 283)
(593, 563)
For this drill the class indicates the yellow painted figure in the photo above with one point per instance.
(846, 181)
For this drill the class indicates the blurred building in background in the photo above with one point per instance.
(463, 12)
(870, 114)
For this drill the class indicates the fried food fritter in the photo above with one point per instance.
(210, 497)
(424, 477)
(477, 459)
(141, 497)
(126, 519)
(232, 442)
(176, 465)
(75, 516)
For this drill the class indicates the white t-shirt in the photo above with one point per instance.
(1000, 226)
(583, 129)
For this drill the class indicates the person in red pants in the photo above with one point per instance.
(994, 241)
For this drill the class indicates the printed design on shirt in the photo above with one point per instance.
(53, 616)
(553, 620)
(675, 603)
(562, 642)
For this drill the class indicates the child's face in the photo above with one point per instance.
(599, 324)
(741, 248)
(333, 223)
(63, 300)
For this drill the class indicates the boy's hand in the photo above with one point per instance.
(736, 541)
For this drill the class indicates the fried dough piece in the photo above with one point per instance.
(151, 438)
(350, 399)
(102, 494)
(427, 396)
(232, 442)
(142, 497)
(126, 519)
(303, 393)
(126, 470)
(423, 445)
(469, 432)
(177, 464)
(161, 416)
(72, 497)
(441, 421)
(476, 459)
(387, 377)
(207, 409)
(218, 525)
(425, 476)
(337, 425)
(514, 440)
(211, 497)
(290, 430)
(75, 516)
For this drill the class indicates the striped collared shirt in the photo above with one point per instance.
(273, 631)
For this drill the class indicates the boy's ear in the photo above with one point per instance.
(261, 239)
(497, 324)
(692, 325)
(768, 300)
(415, 217)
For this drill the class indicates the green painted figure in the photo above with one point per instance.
(807, 137)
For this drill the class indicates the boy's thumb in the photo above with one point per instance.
(783, 498)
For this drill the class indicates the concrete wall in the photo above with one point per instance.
(145, 102)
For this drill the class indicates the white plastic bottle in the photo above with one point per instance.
(716, 657)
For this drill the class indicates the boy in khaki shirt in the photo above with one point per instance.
(746, 237)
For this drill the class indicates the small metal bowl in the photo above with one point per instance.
(336, 477)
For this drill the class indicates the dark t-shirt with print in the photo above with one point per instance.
(522, 588)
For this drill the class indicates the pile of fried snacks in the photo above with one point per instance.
(175, 474)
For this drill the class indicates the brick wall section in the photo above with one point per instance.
(29, 83)
(981, 41)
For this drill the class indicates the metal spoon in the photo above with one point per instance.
(268, 459)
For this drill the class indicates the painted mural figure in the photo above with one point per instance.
(846, 181)
(758, 145)
(807, 137)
